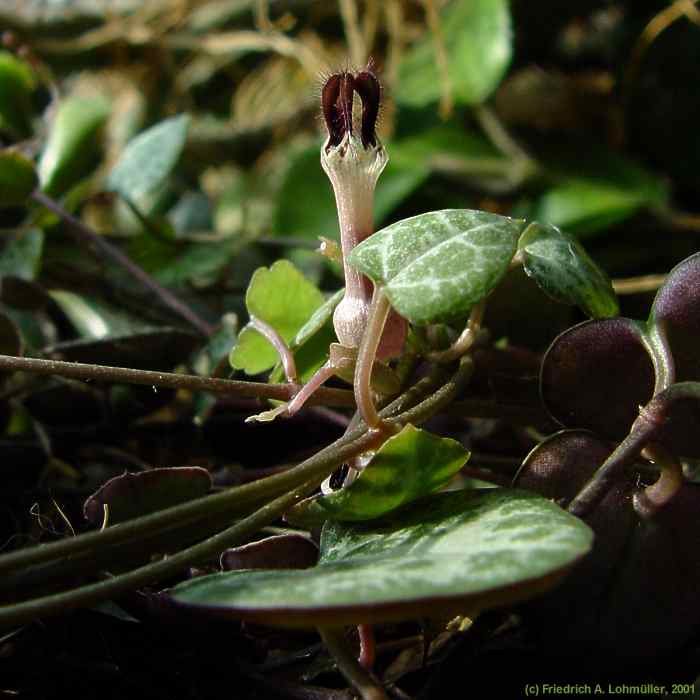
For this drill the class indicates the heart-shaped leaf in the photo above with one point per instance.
(436, 266)
(676, 314)
(407, 466)
(18, 178)
(597, 374)
(148, 160)
(132, 495)
(476, 35)
(284, 299)
(564, 271)
(70, 149)
(446, 553)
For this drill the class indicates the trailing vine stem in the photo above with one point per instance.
(169, 380)
(415, 405)
(20, 613)
(473, 408)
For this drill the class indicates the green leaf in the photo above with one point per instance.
(132, 495)
(409, 465)
(436, 266)
(476, 35)
(281, 297)
(565, 272)
(608, 191)
(446, 553)
(21, 256)
(148, 160)
(16, 86)
(18, 178)
(71, 147)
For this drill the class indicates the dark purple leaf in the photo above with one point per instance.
(596, 375)
(132, 495)
(289, 551)
(676, 312)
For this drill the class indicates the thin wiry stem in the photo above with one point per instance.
(168, 380)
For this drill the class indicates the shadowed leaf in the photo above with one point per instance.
(465, 549)
(409, 465)
(132, 495)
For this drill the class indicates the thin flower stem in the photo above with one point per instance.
(280, 346)
(105, 373)
(378, 314)
(84, 234)
(336, 643)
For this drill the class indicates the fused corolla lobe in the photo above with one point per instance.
(337, 98)
(369, 89)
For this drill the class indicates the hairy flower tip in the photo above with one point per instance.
(337, 99)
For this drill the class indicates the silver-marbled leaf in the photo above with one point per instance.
(436, 266)
(564, 271)
(472, 549)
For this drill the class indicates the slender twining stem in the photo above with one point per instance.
(20, 613)
(662, 491)
(307, 476)
(169, 380)
(85, 235)
(278, 343)
(472, 408)
(466, 338)
(416, 405)
(378, 313)
(337, 644)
